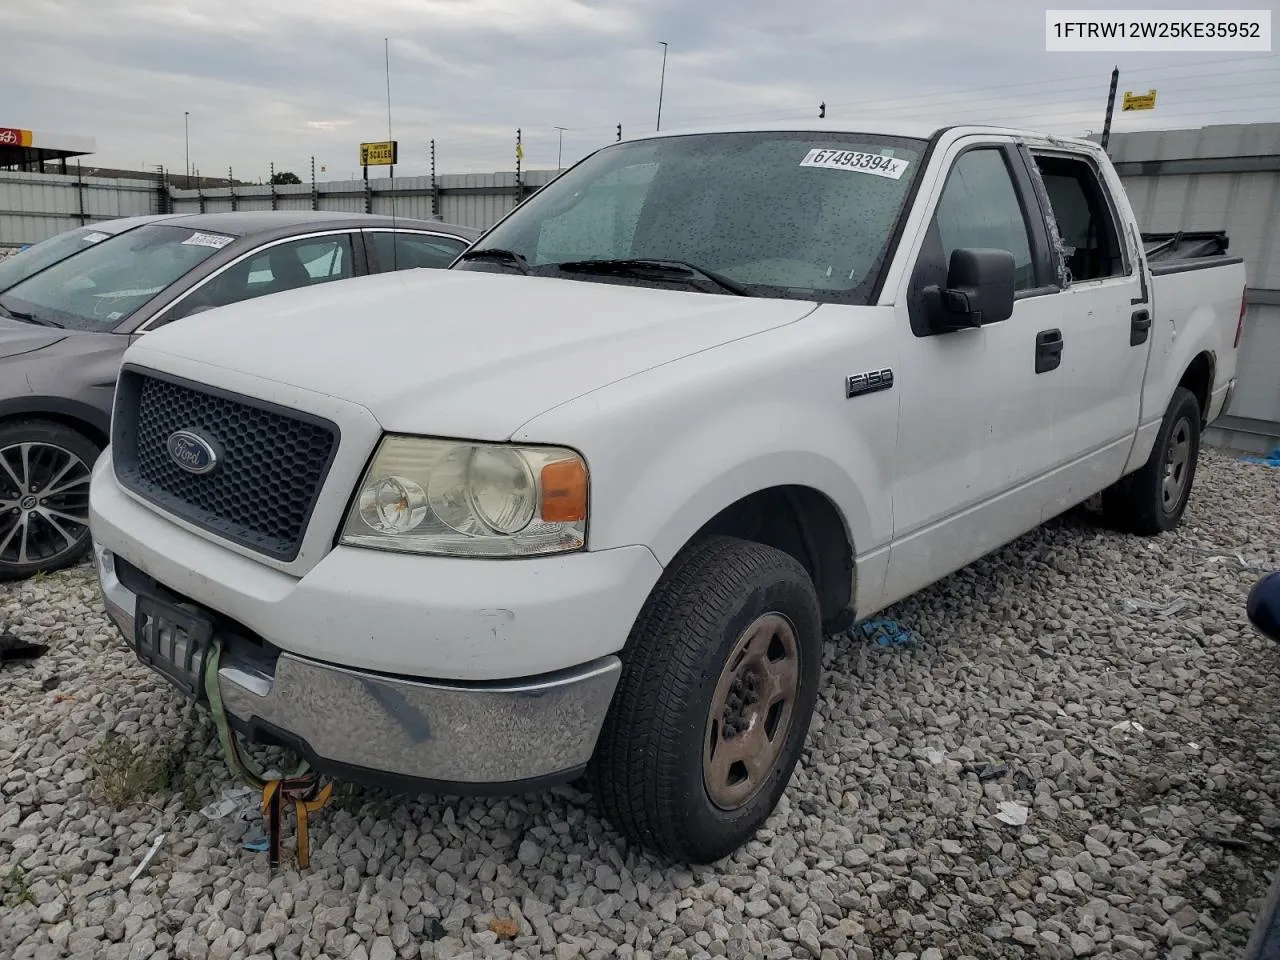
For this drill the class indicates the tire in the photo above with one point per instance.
(1153, 499)
(49, 532)
(655, 773)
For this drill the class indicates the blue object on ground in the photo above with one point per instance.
(258, 846)
(1270, 460)
(887, 633)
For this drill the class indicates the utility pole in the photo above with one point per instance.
(315, 195)
(560, 148)
(662, 83)
(186, 137)
(231, 187)
(1111, 106)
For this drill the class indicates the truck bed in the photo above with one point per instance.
(1186, 250)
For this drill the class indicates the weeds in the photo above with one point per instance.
(126, 773)
(16, 890)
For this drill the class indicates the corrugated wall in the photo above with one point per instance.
(473, 200)
(35, 206)
(1221, 178)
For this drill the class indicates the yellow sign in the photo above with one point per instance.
(381, 154)
(1139, 101)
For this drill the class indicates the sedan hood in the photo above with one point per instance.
(17, 338)
(464, 353)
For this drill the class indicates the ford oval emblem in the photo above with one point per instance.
(191, 451)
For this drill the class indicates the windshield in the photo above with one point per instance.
(15, 269)
(787, 214)
(97, 289)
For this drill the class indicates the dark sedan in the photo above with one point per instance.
(64, 330)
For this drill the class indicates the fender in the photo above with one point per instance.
(670, 450)
(58, 408)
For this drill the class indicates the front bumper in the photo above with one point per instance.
(440, 736)
(459, 675)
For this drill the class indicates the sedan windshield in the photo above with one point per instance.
(99, 288)
(806, 215)
(15, 269)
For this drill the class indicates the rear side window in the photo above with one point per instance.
(1091, 244)
(409, 251)
(979, 208)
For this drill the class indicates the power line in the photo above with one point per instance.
(1271, 60)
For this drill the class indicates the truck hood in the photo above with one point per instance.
(464, 353)
(17, 338)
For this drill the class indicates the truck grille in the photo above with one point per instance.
(269, 466)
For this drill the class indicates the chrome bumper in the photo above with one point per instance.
(447, 735)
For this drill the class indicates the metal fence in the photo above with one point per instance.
(473, 200)
(34, 206)
(1216, 178)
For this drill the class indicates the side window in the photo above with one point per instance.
(1091, 244)
(286, 266)
(409, 251)
(979, 208)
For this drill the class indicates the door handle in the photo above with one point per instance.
(1139, 327)
(1048, 350)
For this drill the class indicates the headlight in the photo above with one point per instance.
(470, 499)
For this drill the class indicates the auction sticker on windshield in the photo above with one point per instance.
(873, 163)
(93, 237)
(215, 240)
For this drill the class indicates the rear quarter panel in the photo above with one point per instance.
(1194, 311)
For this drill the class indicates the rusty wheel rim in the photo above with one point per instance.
(751, 712)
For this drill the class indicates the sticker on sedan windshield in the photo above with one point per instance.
(215, 240)
(873, 163)
(93, 237)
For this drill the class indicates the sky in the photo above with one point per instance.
(282, 81)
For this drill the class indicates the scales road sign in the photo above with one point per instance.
(1139, 101)
(381, 154)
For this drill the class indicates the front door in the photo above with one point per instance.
(977, 405)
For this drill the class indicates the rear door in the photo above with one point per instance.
(1106, 324)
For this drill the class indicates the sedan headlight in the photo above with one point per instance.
(470, 499)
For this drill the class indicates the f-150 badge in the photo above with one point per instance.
(869, 382)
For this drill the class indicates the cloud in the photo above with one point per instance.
(283, 81)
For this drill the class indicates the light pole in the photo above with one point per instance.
(560, 148)
(662, 83)
(186, 137)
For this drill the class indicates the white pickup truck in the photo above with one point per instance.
(589, 501)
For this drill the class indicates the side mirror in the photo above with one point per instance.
(979, 291)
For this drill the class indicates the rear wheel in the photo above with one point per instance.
(718, 687)
(44, 497)
(1153, 499)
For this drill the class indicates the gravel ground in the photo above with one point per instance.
(1141, 743)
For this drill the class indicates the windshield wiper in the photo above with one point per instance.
(28, 317)
(496, 253)
(640, 266)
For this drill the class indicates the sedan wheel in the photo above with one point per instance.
(44, 498)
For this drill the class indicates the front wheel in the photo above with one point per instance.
(718, 686)
(1153, 499)
(44, 497)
